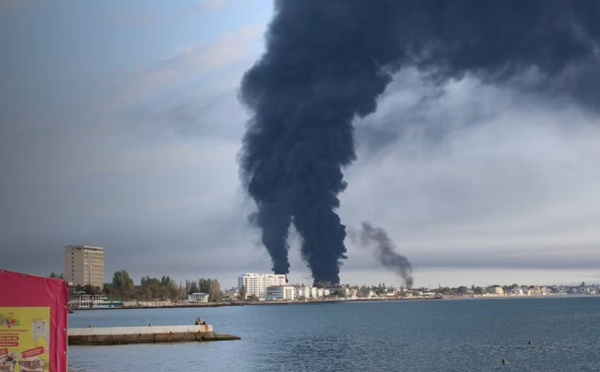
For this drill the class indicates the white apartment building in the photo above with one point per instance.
(306, 292)
(257, 284)
(84, 265)
(281, 292)
(303, 291)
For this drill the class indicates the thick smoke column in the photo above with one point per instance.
(326, 63)
(377, 238)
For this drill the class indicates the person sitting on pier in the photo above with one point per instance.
(198, 321)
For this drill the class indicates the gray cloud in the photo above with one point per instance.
(508, 170)
(463, 176)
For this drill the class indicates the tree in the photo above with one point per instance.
(342, 292)
(242, 292)
(323, 285)
(363, 291)
(215, 294)
(165, 287)
(91, 290)
(193, 287)
(123, 284)
(447, 291)
(212, 288)
(121, 280)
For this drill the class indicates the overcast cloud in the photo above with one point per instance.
(476, 184)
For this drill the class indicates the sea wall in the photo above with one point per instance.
(146, 334)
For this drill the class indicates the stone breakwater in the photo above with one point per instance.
(145, 335)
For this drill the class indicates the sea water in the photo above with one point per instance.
(420, 336)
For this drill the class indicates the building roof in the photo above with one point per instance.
(84, 247)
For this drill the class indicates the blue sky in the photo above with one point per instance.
(120, 127)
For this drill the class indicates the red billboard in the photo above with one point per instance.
(33, 323)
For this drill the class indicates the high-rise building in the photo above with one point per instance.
(256, 284)
(84, 265)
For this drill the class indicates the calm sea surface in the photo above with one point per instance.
(420, 336)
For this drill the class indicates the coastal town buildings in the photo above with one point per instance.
(84, 265)
(281, 292)
(257, 284)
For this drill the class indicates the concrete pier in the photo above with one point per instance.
(144, 335)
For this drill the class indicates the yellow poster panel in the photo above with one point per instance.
(24, 339)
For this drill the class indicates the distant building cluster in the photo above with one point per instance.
(516, 290)
(269, 287)
(273, 287)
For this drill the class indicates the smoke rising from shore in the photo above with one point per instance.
(327, 62)
(378, 240)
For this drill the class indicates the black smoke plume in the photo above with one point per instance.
(326, 63)
(377, 239)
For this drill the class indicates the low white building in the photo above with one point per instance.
(352, 293)
(303, 291)
(517, 291)
(198, 297)
(313, 292)
(82, 300)
(281, 292)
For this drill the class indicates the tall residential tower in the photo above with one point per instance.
(84, 265)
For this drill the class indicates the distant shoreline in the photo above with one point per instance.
(460, 298)
(227, 304)
(315, 302)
